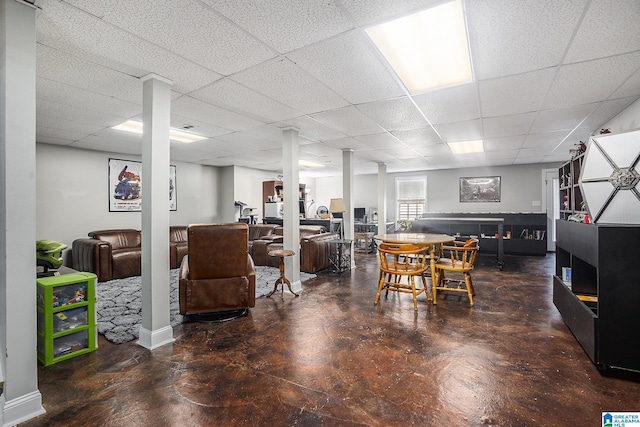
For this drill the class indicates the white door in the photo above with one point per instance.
(551, 189)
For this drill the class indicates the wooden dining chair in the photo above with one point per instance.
(458, 258)
(399, 260)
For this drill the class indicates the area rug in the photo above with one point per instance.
(119, 304)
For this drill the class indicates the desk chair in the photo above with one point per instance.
(398, 260)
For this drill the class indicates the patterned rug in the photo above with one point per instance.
(119, 304)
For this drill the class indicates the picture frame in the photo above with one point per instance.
(480, 189)
(125, 186)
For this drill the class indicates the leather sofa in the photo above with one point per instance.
(314, 250)
(116, 254)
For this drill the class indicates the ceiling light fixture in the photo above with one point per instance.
(428, 49)
(309, 164)
(466, 147)
(174, 134)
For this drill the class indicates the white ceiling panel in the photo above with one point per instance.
(348, 120)
(501, 155)
(187, 106)
(52, 122)
(348, 65)
(610, 27)
(286, 25)
(380, 141)
(287, 83)
(66, 28)
(196, 126)
(347, 143)
(604, 112)
(376, 11)
(544, 139)
(521, 93)
(454, 104)
(517, 124)
(245, 143)
(562, 119)
(76, 113)
(591, 81)
(185, 26)
(461, 131)
(319, 149)
(425, 135)
(511, 37)
(312, 129)
(629, 88)
(233, 96)
(504, 144)
(398, 114)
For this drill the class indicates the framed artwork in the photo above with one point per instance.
(480, 189)
(125, 186)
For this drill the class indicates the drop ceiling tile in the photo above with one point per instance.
(246, 143)
(72, 113)
(312, 129)
(510, 37)
(348, 65)
(348, 120)
(591, 81)
(461, 131)
(54, 91)
(504, 143)
(422, 136)
(60, 134)
(517, 124)
(45, 121)
(346, 143)
(629, 88)
(110, 145)
(63, 27)
(207, 113)
(398, 114)
(233, 96)
(380, 141)
(375, 11)
(503, 155)
(290, 85)
(545, 139)
(430, 150)
(453, 104)
(185, 27)
(537, 152)
(526, 160)
(318, 149)
(375, 156)
(562, 118)
(196, 126)
(46, 139)
(608, 28)
(286, 25)
(606, 111)
(514, 94)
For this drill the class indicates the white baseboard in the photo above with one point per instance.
(154, 339)
(19, 410)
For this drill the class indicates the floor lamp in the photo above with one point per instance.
(337, 207)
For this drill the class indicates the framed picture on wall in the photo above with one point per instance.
(125, 186)
(480, 189)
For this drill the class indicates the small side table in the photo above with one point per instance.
(282, 280)
(341, 260)
(364, 242)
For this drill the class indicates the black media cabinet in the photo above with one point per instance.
(600, 305)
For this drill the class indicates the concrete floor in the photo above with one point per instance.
(330, 357)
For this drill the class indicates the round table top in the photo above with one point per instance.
(282, 253)
(415, 238)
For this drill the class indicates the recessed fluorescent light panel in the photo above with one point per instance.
(466, 147)
(174, 134)
(428, 49)
(309, 164)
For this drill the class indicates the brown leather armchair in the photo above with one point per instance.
(218, 273)
(110, 254)
(177, 245)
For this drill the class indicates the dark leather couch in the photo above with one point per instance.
(116, 254)
(314, 250)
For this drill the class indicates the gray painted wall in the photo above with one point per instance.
(72, 194)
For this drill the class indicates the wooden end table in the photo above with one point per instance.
(282, 280)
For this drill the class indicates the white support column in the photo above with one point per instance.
(291, 221)
(155, 330)
(347, 197)
(382, 198)
(20, 398)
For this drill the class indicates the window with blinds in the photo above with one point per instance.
(411, 198)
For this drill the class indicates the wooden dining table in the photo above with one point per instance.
(419, 239)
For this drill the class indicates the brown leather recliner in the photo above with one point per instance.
(177, 245)
(218, 273)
